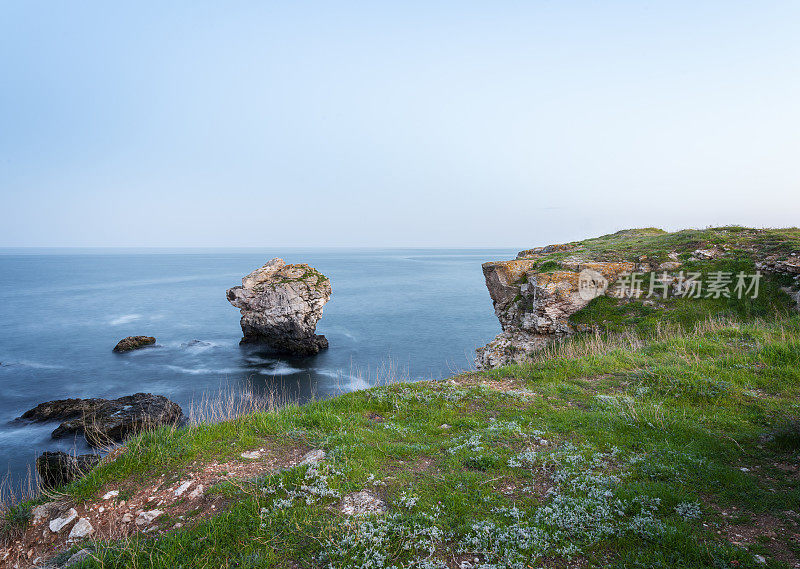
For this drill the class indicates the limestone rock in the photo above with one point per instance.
(312, 457)
(281, 305)
(59, 523)
(77, 558)
(197, 492)
(134, 343)
(362, 503)
(82, 529)
(146, 518)
(58, 468)
(104, 420)
(534, 305)
(43, 512)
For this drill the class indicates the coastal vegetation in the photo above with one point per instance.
(666, 436)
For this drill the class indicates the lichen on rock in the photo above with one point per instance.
(534, 302)
(281, 305)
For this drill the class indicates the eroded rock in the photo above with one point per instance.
(59, 523)
(281, 305)
(58, 468)
(107, 420)
(81, 530)
(362, 503)
(534, 304)
(134, 343)
(146, 518)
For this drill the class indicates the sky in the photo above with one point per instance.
(420, 124)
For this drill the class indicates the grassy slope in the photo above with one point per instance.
(607, 451)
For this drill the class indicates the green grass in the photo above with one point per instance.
(673, 421)
(655, 244)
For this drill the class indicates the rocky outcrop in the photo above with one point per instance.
(534, 301)
(281, 305)
(134, 343)
(535, 295)
(107, 420)
(58, 468)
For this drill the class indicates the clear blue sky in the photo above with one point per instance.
(418, 123)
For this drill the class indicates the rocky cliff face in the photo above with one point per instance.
(281, 305)
(534, 307)
(535, 294)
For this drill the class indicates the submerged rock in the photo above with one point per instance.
(107, 420)
(134, 343)
(281, 305)
(59, 468)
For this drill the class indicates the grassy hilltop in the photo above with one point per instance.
(671, 438)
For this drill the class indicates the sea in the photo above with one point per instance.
(394, 315)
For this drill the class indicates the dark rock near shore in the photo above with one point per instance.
(281, 305)
(103, 421)
(59, 468)
(134, 343)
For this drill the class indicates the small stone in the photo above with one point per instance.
(127, 518)
(251, 455)
(444, 426)
(146, 518)
(363, 502)
(313, 457)
(744, 469)
(42, 512)
(82, 528)
(183, 488)
(760, 559)
(101, 509)
(109, 495)
(197, 492)
(57, 524)
(77, 558)
(177, 526)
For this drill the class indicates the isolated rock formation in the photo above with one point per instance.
(134, 343)
(534, 306)
(58, 468)
(106, 420)
(281, 305)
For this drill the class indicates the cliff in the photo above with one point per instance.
(540, 296)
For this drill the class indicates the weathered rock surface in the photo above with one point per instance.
(535, 294)
(59, 468)
(107, 420)
(134, 343)
(281, 305)
(534, 307)
(81, 530)
(59, 523)
(362, 503)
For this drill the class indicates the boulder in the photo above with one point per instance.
(102, 421)
(134, 343)
(58, 468)
(81, 530)
(281, 305)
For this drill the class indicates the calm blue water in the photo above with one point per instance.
(422, 311)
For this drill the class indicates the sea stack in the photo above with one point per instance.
(281, 305)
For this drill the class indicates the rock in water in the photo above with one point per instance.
(134, 343)
(281, 305)
(107, 420)
(59, 468)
